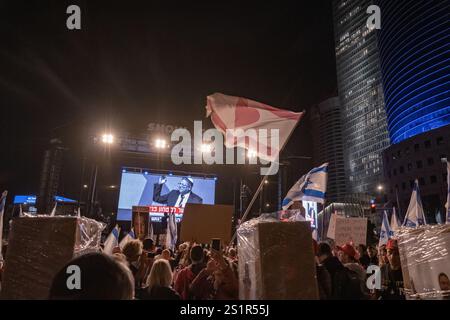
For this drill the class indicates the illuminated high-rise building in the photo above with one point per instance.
(364, 125)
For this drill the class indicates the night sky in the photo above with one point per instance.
(135, 62)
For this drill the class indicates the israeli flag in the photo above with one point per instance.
(448, 193)
(310, 187)
(112, 241)
(129, 236)
(395, 223)
(386, 232)
(415, 215)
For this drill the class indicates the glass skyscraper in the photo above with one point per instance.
(414, 44)
(364, 125)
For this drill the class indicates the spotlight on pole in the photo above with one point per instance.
(107, 138)
(160, 143)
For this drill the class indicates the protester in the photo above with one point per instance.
(391, 274)
(363, 257)
(323, 277)
(346, 284)
(165, 255)
(232, 254)
(185, 276)
(159, 283)
(138, 261)
(101, 277)
(347, 256)
(372, 253)
(382, 256)
(217, 281)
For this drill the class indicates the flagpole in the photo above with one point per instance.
(255, 195)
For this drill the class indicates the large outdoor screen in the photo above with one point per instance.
(162, 192)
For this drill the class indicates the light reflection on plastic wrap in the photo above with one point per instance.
(89, 236)
(425, 259)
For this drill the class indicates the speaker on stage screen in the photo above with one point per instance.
(164, 193)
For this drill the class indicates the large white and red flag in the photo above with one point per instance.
(232, 115)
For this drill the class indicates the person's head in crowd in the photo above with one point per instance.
(102, 278)
(185, 185)
(183, 246)
(371, 251)
(393, 254)
(382, 255)
(165, 254)
(159, 251)
(444, 282)
(160, 275)
(323, 251)
(347, 254)
(119, 257)
(148, 244)
(232, 254)
(362, 250)
(133, 250)
(197, 254)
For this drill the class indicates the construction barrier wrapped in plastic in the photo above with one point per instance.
(425, 260)
(276, 260)
(39, 247)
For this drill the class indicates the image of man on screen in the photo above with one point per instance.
(179, 197)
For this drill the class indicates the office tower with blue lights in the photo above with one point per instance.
(414, 46)
(364, 126)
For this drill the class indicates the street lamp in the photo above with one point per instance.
(107, 138)
(380, 187)
(160, 143)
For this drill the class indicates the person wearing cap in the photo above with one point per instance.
(348, 257)
(345, 283)
(391, 274)
(179, 197)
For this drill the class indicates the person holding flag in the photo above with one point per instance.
(112, 241)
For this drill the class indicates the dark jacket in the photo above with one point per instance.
(332, 264)
(346, 284)
(171, 198)
(159, 293)
(324, 282)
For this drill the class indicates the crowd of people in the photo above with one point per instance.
(141, 270)
(342, 271)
